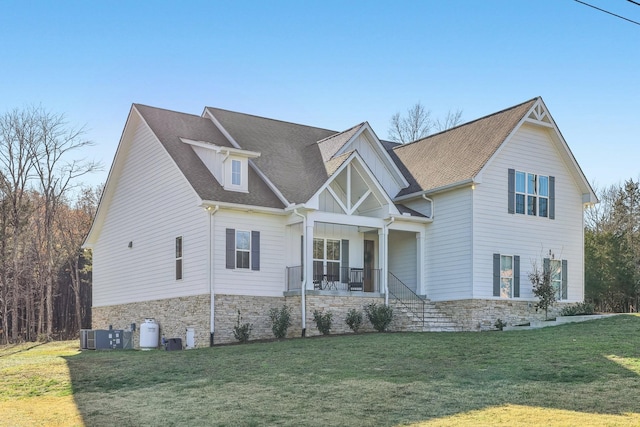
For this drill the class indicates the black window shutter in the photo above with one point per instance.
(546, 266)
(255, 250)
(231, 248)
(564, 279)
(552, 197)
(496, 275)
(345, 261)
(512, 191)
(516, 276)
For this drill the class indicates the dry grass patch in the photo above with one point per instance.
(521, 416)
(36, 385)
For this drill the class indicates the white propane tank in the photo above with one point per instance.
(149, 334)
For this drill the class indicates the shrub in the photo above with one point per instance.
(581, 308)
(380, 316)
(280, 320)
(500, 324)
(354, 319)
(323, 321)
(241, 332)
(543, 289)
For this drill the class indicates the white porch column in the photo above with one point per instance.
(383, 239)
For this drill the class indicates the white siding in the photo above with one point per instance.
(530, 237)
(375, 164)
(212, 160)
(403, 257)
(449, 247)
(270, 279)
(152, 204)
(420, 205)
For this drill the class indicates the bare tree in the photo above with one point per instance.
(451, 120)
(417, 124)
(55, 174)
(73, 225)
(18, 135)
(37, 175)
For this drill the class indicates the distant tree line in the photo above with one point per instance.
(612, 249)
(44, 217)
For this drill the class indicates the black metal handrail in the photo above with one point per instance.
(406, 297)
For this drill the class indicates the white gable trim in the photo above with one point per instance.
(379, 148)
(540, 111)
(314, 201)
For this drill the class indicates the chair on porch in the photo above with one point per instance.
(356, 279)
(317, 281)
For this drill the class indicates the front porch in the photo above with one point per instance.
(342, 279)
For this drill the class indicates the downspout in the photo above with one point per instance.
(303, 289)
(212, 300)
(385, 261)
(433, 205)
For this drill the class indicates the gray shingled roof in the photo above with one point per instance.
(331, 145)
(170, 126)
(458, 154)
(291, 158)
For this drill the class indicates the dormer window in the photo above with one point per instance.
(235, 172)
(236, 169)
(229, 165)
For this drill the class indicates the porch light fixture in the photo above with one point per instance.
(130, 244)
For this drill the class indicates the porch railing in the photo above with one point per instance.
(294, 278)
(350, 279)
(406, 297)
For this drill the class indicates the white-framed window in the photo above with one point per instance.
(179, 258)
(243, 249)
(532, 194)
(506, 276)
(326, 259)
(555, 268)
(236, 172)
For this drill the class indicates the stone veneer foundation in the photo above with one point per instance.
(481, 314)
(172, 315)
(175, 315)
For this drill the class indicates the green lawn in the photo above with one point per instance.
(579, 374)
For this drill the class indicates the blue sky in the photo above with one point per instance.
(331, 64)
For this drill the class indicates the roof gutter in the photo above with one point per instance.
(303, 288)
(245, 208)
(436, 190)
(212, 295)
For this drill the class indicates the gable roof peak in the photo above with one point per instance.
(532, 101)
(458, 154)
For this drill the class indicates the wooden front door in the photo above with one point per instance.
(369, 263)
